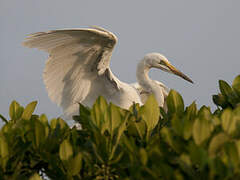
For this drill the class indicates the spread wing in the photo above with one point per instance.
(144, 94)
(77, 69)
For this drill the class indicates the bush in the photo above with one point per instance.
(139, 143)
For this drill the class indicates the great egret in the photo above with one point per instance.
(146, 86)
(78, 69)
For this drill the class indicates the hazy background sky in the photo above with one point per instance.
(201, 38)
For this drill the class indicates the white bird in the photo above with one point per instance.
(77, 70)
(147, 86)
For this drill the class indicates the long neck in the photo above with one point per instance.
(142, 76)
(147, 84)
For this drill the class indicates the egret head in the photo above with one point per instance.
(159, 61)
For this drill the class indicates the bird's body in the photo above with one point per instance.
(78, 71)
(162, 93)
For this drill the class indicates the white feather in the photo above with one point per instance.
(77, 70)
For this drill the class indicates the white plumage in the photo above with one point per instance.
(162, 92)
(77, 70)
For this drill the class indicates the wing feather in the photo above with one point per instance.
(77, 59)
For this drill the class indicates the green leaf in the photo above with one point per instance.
(115, 117)
(198, 155)
(19, 112)
(170, 139)
(175, 103)
(118, 134)
(205, 113)
(150, 113)
(228, 122)
(228, 92)
(216, 143)
(201, 130)
(236, 85)
(85, 111)
(13, 110)
(35, 177)
(137, 128)
(3, 147)
(237, 143)
(143, 156)
(65, 151)
(27, 113)
(76, 164)
(216, 121)
(220, 100)
(98, 110)
(129, 145)
(136, 125)
(191, 111)
(58, 121)
(187, 128)
(185, 158)
(43, 118)
(39, 133)
(188, 120)
(7, 128)
(4, 151)
(232, 153)
(225, 89)
(177, 124)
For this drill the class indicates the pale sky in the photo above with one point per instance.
(201, 38)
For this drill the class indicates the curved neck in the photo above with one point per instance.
(142, 76)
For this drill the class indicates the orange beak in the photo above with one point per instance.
(177, 72)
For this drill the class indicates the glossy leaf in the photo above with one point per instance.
(216, 121)
(115, 117)
(205, 113)
(3, 147)
(169, 138)
(98, 110)
(216, 143)
(35, 177)
(4, 152)
(116, 143)
(232, 153)
(201, 130)
(177, 124)
(143, 156)
(228, 122)
(141, 128)
(13, 110)
(65, 151)
(150, 112)
(198, 155)
(236, 85)
(62, 124)
(187, 128)
(122, 127)
(76, 164)
(39, 133)
(29, 109)
(237, 143)
(220, 100)
(191, 111)
(175, 102)
(43, 118)
(225, 88)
